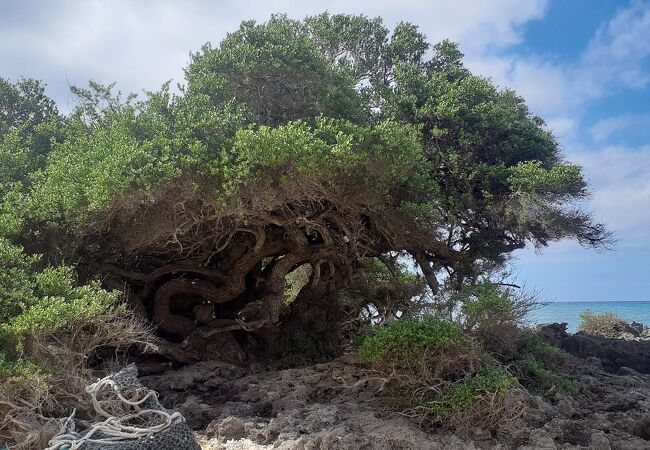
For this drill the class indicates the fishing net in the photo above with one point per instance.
(130, 417)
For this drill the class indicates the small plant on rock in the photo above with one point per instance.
(600, 324)
(539, 365)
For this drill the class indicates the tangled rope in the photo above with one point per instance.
(140, 417)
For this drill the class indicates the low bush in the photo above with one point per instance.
(485, 306)
(469, 373)
(427, 347)
(600, 324)
(440, 375)
(539, 365)
(54, 334)
(486, 400)
(542, 380)
(494, 314)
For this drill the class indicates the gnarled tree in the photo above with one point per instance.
(317, 143)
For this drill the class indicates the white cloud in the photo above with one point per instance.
(563, 127)
(620, 180)
(141, 44)
(615, 52)
(613, 60)
(605, 128)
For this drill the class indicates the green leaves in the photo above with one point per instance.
(293, 159)
(276, 72)
(36, 301)
(458, 397)
(24, 105)
(605, 324)
(16, 284)
(484, 305)
(81, 306)
(408, 343)
(86, 174)
(562, 181)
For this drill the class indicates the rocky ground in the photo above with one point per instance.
(630, 349)
(339, 405)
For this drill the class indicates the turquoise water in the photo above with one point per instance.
(570, 312)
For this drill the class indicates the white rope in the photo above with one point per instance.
(113, 430)
(94, 388)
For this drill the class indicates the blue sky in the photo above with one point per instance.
(583, 65)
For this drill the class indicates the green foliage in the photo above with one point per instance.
(564, 180)
(29, 122)
(492, 313)
(406, 343)
(543, 380)
(459, 397)
(438, 374)
(331, 110)
(98, 170)
(35, 301)
(276, 72)
(484, 305)
(51, 329)
(16, 280)
(24, 105)
(51, 314)
(539, 366)
(11, 368)
(600, 324)
(531, 344)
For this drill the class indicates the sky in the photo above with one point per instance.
(583, 65)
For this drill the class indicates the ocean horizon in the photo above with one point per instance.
(569, 312)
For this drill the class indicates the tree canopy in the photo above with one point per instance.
(314, 144)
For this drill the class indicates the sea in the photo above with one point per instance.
(569, 312)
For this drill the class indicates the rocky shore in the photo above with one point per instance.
(630, 349)
(340, 405)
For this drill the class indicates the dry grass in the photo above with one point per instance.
(490, 399)
(604, 324)
(32, 408)
(491, 411)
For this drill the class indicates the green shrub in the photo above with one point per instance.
(426, 346)
(485, 305)
(51, 332)
(539, 365)
(531, 344)
(439, 374)
(459, 397)
(486, 400)
(542, 380)
(493, 314)
(16, 282)
(381, 288)
(16, 368)
(600, 324)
